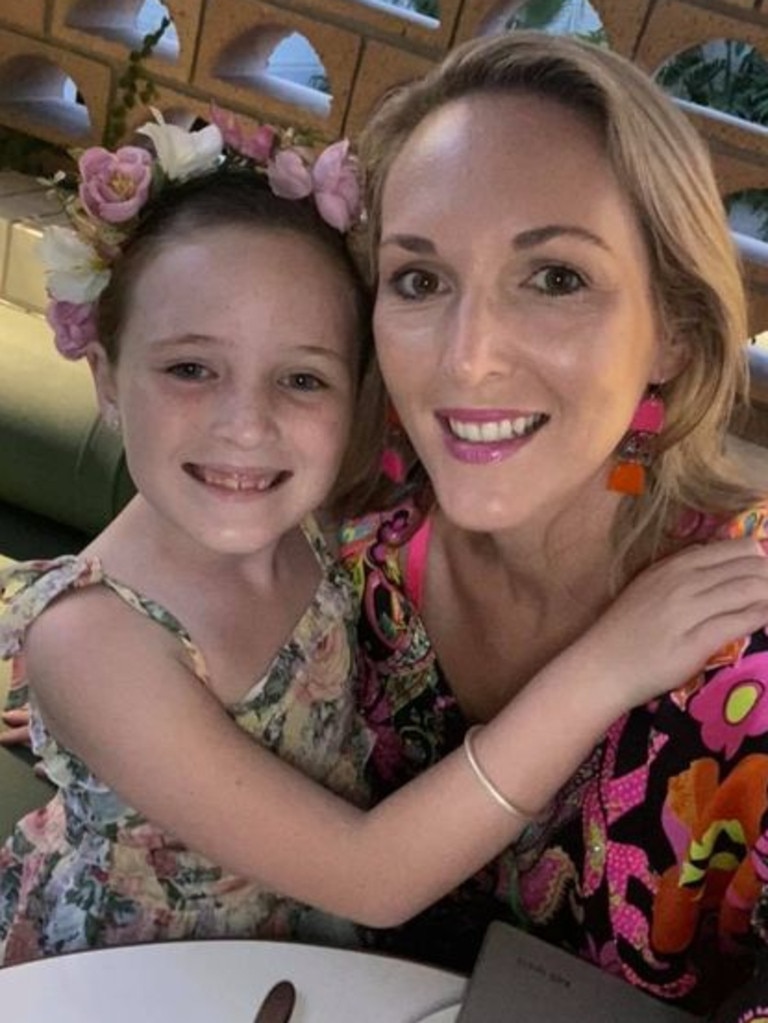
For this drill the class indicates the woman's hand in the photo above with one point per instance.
(668, 622)
(16, 731)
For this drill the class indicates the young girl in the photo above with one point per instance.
(205, 636)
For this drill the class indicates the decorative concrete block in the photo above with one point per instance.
(112, 29)
(389, 23)
(381, 68)
(22, 216)
(622, 19)
(28, 15)
(34, 88)
(13, 183)
(727, 136)
(757, 302)
(24, 283)
(237, 41)
(675, 26)
(182, 108)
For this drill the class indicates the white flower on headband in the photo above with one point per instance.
(184, 154)
(74, 270)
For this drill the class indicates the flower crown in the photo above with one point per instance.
(114, 187)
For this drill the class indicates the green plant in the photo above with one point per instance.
(135, 83)
(543, 15)
(429, 8)
(756, 201)
(729, 76)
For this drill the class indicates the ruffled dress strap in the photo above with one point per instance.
(28, 588)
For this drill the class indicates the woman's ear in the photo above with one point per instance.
(103, 374)
(673, 356)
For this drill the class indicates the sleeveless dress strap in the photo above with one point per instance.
(416, 550)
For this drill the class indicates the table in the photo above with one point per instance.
(223, 982)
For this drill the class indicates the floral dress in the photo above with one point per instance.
(654, 861)
(87, 870)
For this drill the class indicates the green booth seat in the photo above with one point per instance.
(62, 472)
(20, 788)
(62, 479)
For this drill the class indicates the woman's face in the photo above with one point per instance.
(514, 320)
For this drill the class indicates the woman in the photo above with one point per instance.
(560, 323)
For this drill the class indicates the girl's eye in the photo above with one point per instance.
(304, 382)
(416, 284)
(189, 371)
(557, 280)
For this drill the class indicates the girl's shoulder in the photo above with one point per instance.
(28, 589)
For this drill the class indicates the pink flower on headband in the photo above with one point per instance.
(74, 326)
(255, 143)
(115, 186)
(289, 176)
(336, 186)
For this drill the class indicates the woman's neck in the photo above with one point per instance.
(520, 597)
(544, 561)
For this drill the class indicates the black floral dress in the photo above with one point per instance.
(654, 860)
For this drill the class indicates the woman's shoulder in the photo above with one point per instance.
(694, 526)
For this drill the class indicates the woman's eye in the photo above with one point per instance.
(414, 284)
(188, 371)
(304, 382)
(557, 280)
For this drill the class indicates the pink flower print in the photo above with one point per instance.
(336, 186)
(256, 143)
(74, 326)
(115, 186)
(327, 673)
(289, 176)
(732, 705)
(23, 944)
(393, 465)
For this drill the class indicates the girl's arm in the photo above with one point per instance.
(116, 693)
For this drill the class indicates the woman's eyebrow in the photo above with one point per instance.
(411, 242)
(538, 235)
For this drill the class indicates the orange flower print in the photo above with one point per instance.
(711, 825)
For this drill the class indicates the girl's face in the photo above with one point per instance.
(235, 384)
(514, 320)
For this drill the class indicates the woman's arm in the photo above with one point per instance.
(16, 730)
(113, 689)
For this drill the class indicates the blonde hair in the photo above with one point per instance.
(665, 169)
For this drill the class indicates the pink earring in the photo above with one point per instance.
(638, 447)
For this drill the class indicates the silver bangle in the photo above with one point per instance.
(488, 785)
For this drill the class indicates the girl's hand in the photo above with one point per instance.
(16, 731)
(676, 614)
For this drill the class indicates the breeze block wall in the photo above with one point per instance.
(61, 60)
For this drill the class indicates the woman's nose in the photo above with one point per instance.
(477, 341)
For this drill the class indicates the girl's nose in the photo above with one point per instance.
(245, 417)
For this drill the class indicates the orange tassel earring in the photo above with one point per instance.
(638, 447)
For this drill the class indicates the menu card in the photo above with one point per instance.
(519, 978)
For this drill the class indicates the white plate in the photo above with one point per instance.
(447, 1015)
(209, 981)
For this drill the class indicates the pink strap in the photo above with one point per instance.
(416, 563)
